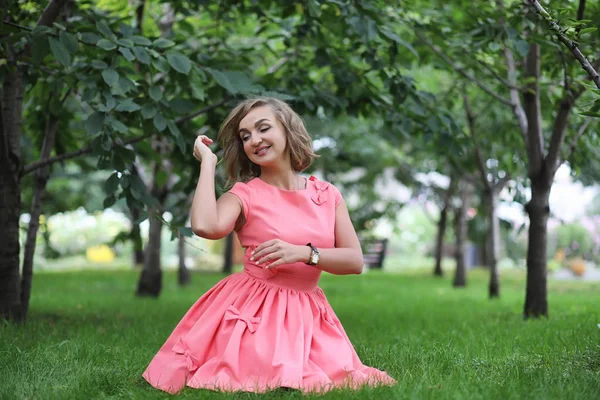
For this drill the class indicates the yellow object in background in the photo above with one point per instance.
(101, 253)
(577, 266)
(560, 256)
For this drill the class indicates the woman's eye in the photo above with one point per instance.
(245, 138)
(266, 128)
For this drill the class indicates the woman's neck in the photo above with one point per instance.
(286, 180)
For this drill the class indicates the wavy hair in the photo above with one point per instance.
(238, 166)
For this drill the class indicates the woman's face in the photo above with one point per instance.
(263, 137)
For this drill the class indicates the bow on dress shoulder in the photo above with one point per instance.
(320, 196)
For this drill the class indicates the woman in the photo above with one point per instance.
(269, 326)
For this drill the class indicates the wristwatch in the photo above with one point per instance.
(314, 255)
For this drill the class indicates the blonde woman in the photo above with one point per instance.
(269, 326)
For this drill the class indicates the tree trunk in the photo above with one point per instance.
(536, 303)
(41, 179)
(460, 221)
(439, 244)
(493, 242)
(136, 238)
(442, 224)
(183, 276)
(150, 283)
(486, 250)
(10, 195)
(228, 255)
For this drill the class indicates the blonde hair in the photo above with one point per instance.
(238, 166)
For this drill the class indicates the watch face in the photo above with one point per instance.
(314, 259)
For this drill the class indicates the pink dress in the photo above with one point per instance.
(261, 329)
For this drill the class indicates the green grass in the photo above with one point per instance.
(89, 337)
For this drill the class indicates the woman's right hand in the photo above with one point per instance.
(201, 149)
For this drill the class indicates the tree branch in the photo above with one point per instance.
(500, 79)
(478, 156)
(571, 45)
(51, 12)
(202, 111)
(515, 97)
(580, 13)
(499, 185)
(535, 138)
(139, 13)
(558, 133)
(461, 71)
(560, 126)
(579, 133)
(66, 156)
(38, 164)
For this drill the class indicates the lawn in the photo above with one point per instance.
(89, 337)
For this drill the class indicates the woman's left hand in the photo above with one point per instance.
(278, 252)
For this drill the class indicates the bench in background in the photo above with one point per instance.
(374, 252)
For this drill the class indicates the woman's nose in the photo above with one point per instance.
(255, 140)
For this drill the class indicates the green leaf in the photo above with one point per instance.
(69, 41)
(197, 86)
(105, 30)
(179, 62)
(118, 125)
(127, 85)
(125, 43)
(522, 47)
(314, 8)
(493, 46)
(222, 80)
(99, 64)
(112, 183)
(233, 81)
(587, 30)
(181, 106)
(94, 123)
(41, 30)
(153, 53)
(126, 30)
(142, 218)
(148, 111)
(185, 231)
(60, 52)
(127, 53)
(160, 178)
(89, 94)
(150, 201)
(156, 93)
(136, 184)
(110, 102)
(590, 114)
(128, 105)
(160, 123)
(39, 48)
(161, 64)
(391, 35)
(106, 44)
(90, 38)
(127, 155)
(110, 76)
(142, 55)
(162, 43)
(109, 201)
(177, 135)
(141, 40)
